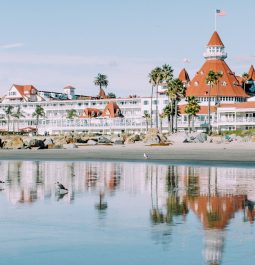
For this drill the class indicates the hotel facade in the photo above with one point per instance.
(232, 103)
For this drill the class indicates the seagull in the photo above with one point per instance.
(145, 156)
(61, 188)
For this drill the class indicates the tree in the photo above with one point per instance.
(167, 73)
(17, 115)
(71, 113)
(169, 113)
(158, 78)
(192, 108)
(245, 78)
(101, 81)
(161, 117)
(211, 79)
(38, 113)
(175, 92)
(111, 95)
(8, 111)
(147, 117)
(152, 81)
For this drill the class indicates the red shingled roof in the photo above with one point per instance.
(102, 94)
(215, 40)
(91, 113)
(25, 90)
(228, 83)
(184, 76)
(203, 109)
(252, 73)
(242, 105)
(111, 110)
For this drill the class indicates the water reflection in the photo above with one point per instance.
(214, 195)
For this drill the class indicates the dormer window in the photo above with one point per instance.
(202, 72)
(224, 83)
(196, 83)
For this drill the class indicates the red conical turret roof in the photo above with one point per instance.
(252, 73)
(184, 76)
(215, 40)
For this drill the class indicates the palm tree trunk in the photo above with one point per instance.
(189, 123)
(37, 121)
(161, 125)
(176, 115)
(157, 108)
(209, 111)
(8, 123)
(169, 123)
(192, 123)
(151, 105)
(147, 125)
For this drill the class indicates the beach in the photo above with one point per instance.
(182, 152)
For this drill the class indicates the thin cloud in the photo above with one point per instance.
(11, 45)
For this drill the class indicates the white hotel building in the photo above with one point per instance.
(232, 104)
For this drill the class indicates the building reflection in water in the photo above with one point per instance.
(214, 195)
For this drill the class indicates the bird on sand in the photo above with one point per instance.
(145, 156)
(61, 188)
(1, 182)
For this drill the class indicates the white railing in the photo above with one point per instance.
(237, 120)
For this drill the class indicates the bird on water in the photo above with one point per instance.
(61, 188)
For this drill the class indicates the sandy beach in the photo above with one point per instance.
(180, 153)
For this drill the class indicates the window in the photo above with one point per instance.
(165, 102)
(146, 102)
(154, 102)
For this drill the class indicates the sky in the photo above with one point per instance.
(54, 43)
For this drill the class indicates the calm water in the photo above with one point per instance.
(126, 213)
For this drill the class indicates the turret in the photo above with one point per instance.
(215, 49)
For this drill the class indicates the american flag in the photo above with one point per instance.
(220, 13)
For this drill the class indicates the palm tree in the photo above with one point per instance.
(161, 117)
(169, 112)
(18, 114)
(152, 81)
(245, 78)
(8, 111)
(101, 81)
(38, 113)
(71, 113)
(147, 117)
(192, 108)
(111, 95)
(211, 79)
(175, 91)
(167, 73)
(218, 76)
(157, 73)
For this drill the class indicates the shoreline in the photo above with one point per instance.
(243, 153)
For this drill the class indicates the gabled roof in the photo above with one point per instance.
(90, 113)
(102, 94)
(228, 83)
(252, 73)
(215, 40)
(111, 110)
(184, 76)
(25, 90)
